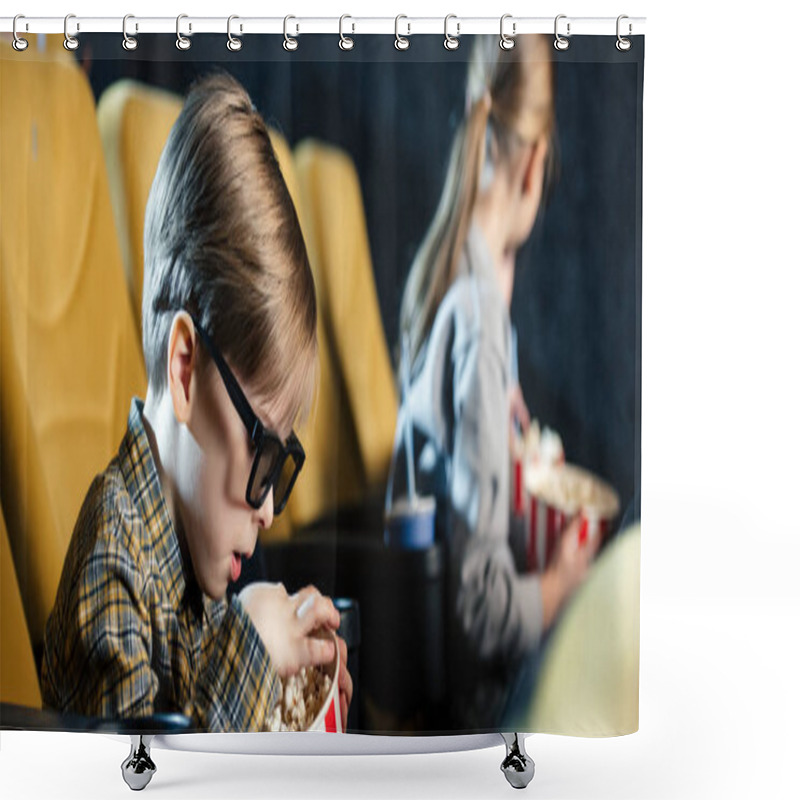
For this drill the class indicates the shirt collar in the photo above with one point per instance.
(144, 486)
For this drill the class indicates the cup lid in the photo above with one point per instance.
(419, 504)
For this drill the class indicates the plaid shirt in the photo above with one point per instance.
(129, 636)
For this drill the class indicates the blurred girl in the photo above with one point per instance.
(455, 321)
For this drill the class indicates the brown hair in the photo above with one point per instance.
(509, 102)
(222, 241)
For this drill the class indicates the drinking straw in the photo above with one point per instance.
(514, 375)
(406, 380)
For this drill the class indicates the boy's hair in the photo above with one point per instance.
(222, 241)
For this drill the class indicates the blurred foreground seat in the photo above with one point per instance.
(588, 683)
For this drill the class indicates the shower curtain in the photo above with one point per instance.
(449, 482)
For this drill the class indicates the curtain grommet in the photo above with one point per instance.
(561, 43)
(451, 42)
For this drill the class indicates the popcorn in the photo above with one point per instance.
(561, 485)
(570, 489)
(551, 448)
(543, 446)
(302, 697)
(547, 492)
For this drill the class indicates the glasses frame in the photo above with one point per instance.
(259, 434)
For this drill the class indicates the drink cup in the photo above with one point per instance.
(410, 523)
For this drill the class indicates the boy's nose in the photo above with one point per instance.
(265, 514)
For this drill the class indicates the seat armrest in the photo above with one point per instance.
(16, 717)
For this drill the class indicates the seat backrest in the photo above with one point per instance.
(336, 225)
(19, 682)
(69, 353)
(134, 121)
(332, 475)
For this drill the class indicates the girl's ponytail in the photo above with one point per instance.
(515, 89)
(435, 264)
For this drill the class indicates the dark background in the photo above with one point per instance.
(577, 298)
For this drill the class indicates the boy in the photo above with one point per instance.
(140, 623)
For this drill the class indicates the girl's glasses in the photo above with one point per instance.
(276, 465)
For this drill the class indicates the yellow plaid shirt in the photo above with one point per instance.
(129, 635)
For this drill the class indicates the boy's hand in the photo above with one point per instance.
(286, 623)
(345, 682)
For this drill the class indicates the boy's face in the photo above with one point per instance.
(212, 469)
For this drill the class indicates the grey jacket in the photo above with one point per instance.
(459, 406)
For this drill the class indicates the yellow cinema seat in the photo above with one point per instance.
(19, 682)
(589, 679)
(134, 121)
(332, 475)
(69, 356)
(348, 300)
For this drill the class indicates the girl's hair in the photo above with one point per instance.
(509, 104)
(222, 241)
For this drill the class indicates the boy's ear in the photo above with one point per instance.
(181, 362)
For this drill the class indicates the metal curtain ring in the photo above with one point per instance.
(345, 42)
(623, 44)
(129, 42)
(507, 42)
(234, 44)
(560, 42)
(19, 43)
(182, 43)
(289, 43)
(451, 42)
(70, 42)
(401, 42)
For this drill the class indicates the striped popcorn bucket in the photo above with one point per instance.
(329, 717)
(547, 514)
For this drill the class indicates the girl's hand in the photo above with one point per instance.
(286, 624)
(519, 413)
(568, 570)
(573, 557)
